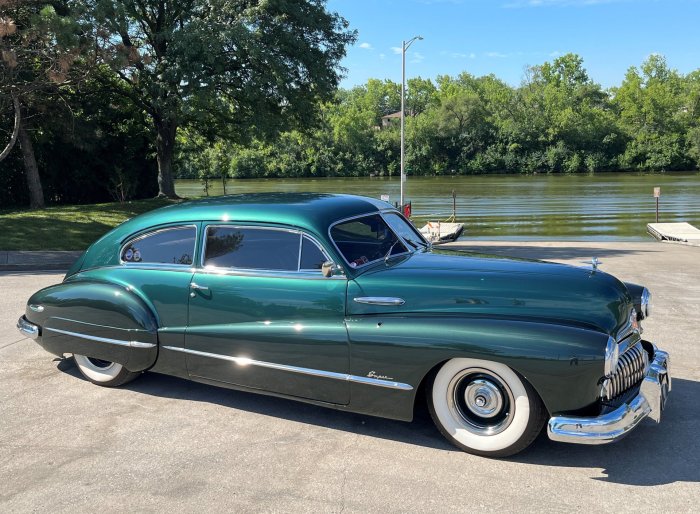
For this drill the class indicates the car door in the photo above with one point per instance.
(261, 314)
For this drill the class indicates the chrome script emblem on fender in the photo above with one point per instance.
(373, 374)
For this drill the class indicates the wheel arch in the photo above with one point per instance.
(563, 364)
(98, 319)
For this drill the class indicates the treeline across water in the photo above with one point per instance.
(557, 121)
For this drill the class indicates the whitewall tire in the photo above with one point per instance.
(104, 373)
(484, 407)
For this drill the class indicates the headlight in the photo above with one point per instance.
(645, 310)
(612, 354)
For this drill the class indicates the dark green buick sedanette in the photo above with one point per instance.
(339, 301)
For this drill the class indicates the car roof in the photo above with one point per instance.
(313, 212)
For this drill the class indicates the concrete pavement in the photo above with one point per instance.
(165, 444)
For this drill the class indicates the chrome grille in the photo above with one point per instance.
(630, 370)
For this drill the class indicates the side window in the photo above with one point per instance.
(252, 248)
(167, 246)
(312, 258)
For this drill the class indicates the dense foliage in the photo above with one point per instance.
(221, 68)
(112, 99)
(557, 120)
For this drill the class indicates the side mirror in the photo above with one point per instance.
(329, 268)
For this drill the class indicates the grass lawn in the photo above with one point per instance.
(67, 227)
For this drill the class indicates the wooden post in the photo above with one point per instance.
(657, 194)
(454, 205)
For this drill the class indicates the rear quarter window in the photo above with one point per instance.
(167, 246)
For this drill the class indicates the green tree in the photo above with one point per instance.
(222, 67)
(652, 110)
(38, 44)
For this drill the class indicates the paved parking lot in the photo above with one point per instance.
(162, 443)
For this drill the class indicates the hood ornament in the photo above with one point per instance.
(594, 263)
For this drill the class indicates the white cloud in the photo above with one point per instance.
(472, 55)
(396, 49)
(496, 55)
(417, 57)
(365, 46)
(382, 56)
(556, 53)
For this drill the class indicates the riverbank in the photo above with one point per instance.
(603, 207)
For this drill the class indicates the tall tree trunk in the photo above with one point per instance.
(165, 148)
(36, 192)
(15, 128)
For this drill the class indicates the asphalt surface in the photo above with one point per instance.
(165, 444)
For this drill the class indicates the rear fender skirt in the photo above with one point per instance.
(100, 320)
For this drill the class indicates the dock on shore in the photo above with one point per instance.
(683, 233)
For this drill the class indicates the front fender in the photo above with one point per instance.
(564, 364)
(96, 319)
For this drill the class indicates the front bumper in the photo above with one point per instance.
(649, 402)
(28, 329)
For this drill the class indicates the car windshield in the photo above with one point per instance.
(368, 239)
(405, 230)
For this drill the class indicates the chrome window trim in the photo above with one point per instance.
(318, 245)
(262, 272)
(381, 214)
(150, 267)
(245, 361)
(159, 265)
(303, 274)
(119, 342)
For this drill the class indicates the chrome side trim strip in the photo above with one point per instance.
(131, 344)
(245, 361)
(380, 300)
(28, 329)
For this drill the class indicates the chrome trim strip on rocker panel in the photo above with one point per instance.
(245, 361)
(131, 344)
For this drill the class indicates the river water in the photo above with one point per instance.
(604, 206)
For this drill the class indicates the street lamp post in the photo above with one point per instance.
(404, 47)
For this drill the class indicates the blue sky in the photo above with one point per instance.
(504, 36)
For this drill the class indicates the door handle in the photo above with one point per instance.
(194, 286)
(380, 300)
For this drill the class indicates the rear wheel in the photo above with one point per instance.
(104, 373)
(485, 408)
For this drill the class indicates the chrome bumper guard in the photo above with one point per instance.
(28, 329)
(616, 424)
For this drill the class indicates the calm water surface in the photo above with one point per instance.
(610, 206)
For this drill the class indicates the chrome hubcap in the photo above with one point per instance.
(480, 401)
(483, 398)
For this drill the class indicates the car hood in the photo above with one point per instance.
(459, 283)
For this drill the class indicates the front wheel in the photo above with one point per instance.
(485, 408)
(104, 373)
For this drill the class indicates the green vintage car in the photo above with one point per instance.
(339, 301)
